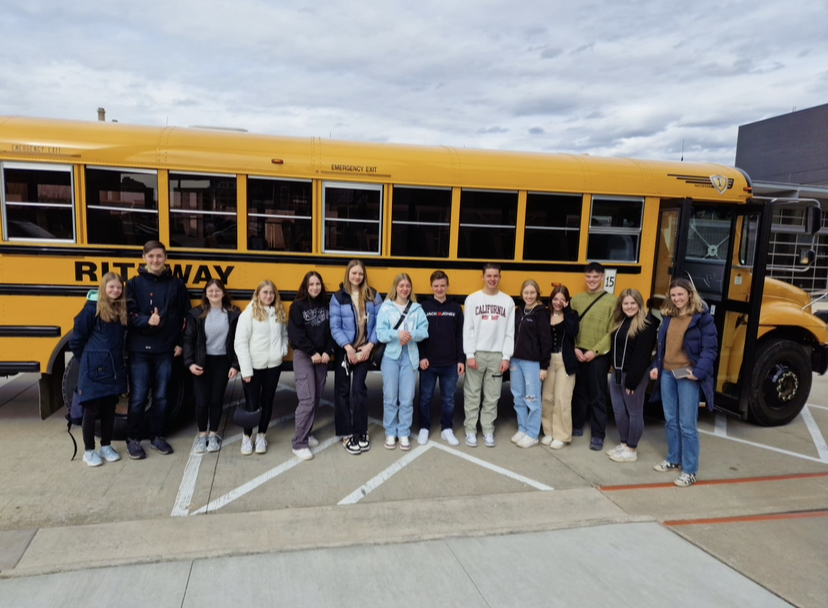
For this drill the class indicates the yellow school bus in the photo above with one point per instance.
(80, 199)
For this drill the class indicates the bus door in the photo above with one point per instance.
(715, 246)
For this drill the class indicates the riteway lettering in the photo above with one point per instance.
(86, 272)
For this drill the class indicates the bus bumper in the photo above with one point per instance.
(819, 359)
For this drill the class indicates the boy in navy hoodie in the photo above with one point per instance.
(441, 356)
(157, 303)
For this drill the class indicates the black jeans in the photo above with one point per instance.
(208, 390)
(350, 397)
(103, 408)
(259, 393)
(589, 400)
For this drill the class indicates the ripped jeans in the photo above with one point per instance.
(526, 390)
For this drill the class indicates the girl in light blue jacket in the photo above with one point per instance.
(401, 323)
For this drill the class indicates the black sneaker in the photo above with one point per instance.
(578, 432)
(364, 442)
(161, 445)
(352, 446)
(136, 452)
(597, 444)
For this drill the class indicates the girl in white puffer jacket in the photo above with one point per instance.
(261, 344)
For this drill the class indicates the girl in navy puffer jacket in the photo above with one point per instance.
(98, 342)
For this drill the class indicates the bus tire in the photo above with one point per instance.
(781, 382)
(178, 403)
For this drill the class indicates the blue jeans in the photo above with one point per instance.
(448, 386)
(526, 390)
(680, 399)
(398, 380)
(148, 371)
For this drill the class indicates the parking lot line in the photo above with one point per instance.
(714, 482)
(746, 518)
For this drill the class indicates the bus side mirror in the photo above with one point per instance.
(807, 257)
(813, 220)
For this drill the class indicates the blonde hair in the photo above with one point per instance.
(694, 302)
(366, 294)
(260, 311)
(110, 310)
(534, 284)
(392, 293)
(618, 315)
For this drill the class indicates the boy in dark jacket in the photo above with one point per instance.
(441, 356)
(157, 303)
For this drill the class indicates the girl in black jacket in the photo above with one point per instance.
(98, 343)
(632, 340)
(211, 359)
(556, 415)
(309, 330)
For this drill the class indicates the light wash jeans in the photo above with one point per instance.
(680, 399)
(398, 382)
(526, 389)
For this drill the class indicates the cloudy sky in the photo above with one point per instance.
(606, 77)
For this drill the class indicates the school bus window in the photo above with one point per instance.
(421, 219)
(487, 224)
(352, 216)
(279, 215)
(553, 226)
(615, 229)
(121, 206)
(38, 202)
(203, 211)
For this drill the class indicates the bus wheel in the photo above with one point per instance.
(781, 383)
(179, 400)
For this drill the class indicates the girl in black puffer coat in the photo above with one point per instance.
(98, 343)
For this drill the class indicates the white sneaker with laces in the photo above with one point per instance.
(422, 437)
(625, 455)
(313, 442)
(518, 436)
(685, 480)
(261, 444)
(489, 440)
(617, 448)
(547, 440)
(92, 458)
(109, 454)
(557, 444)
(405, 444)
(471, 440)
(448, 436)
(303, 454)
(247, 445)
(527, 442)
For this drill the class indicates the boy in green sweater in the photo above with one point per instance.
(592, 346)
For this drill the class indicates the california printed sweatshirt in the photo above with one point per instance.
(489, 324)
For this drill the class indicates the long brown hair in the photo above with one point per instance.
(110, 310)
(366, 294)
(618, 315)
(259, 311)
(694, 302)
(226, 304)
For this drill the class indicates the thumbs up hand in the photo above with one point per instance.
(155, 318)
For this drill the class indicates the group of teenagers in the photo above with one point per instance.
(566, 361)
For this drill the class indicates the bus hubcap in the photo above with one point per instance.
(781, 384)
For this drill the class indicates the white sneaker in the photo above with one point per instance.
(422, 438)
(471, 440)
(527, 442)
(547, 439)
(448, 436)
(625, 455)
(489, 440)
(303, 453)
(557, 444)
(92, 458)
(109, 454)
(518, 436)
(617, 448)
(247, 445)
(405, 444)
(390, 442)
(261, 444)
(313, 442)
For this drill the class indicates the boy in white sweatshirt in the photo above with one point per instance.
(488, 341)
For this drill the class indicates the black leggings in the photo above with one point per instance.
(103, 408)
(209, 392)
(259, 393)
